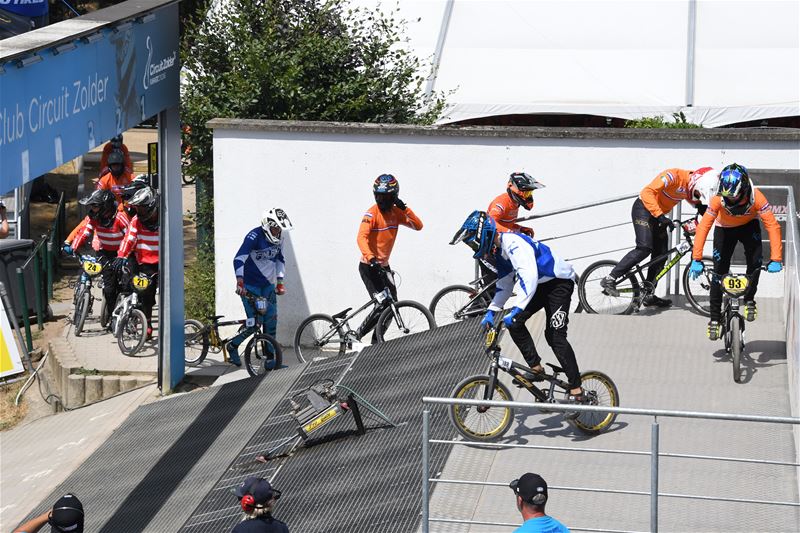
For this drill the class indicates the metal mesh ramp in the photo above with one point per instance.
(339, 482)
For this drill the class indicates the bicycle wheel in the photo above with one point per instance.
(698, 290)
(414, 316)
(262, 354)
(476, 423)
(132, 332)
(195, 342)
(316, 337)
(455, 303)
(736, 347)
(82, 311)
(601, 391)
(594, 298)
(105, 313)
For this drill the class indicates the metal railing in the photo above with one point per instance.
(654, 453)
(44, 261)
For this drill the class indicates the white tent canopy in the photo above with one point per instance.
(717, 61)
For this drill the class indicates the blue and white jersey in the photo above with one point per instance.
(529, 263)
(258, 261)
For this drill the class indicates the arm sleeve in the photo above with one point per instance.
(411, 219)
(701, 234)
(129, 242)
(502, 292)
(280, 265)
(244, 252)
(81, 233)
(523, 258)
(649, 194)
(773, 228)
(363, 236)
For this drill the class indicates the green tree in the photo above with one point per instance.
(294, 60)
(679, 122)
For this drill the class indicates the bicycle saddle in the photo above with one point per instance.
(214, 318)
(555, 368)
(341, 314)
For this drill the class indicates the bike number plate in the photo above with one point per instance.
(505, 363)
(250, 322)
(380, 297)
(735, 285)
(92, 268)
(141, 282)
(684, 247)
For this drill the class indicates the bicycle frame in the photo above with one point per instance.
(682, 249)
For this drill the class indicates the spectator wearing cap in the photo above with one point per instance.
(257, 498)
(66, 516)
(531, 491)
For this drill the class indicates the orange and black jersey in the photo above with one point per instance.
(666, 191)
(504, 210)
(717, 214)
(378, 231)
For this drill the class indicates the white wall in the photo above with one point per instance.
(324, 182)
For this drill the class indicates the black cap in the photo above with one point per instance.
(67, 514)
(259, 488)
(529, 486)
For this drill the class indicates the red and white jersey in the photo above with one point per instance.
(142, 242)
(108, 238)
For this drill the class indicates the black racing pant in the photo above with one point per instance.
(554, 296)
(375, 280)
(148, 296)
(725, 240)
(651, 239)
(109, 275)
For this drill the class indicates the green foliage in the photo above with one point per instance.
(659, 122)
(199, 287)
(295, 60)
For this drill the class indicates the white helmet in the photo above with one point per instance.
(274, 221)
(703, 185)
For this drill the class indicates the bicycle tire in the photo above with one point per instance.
(105, 314)
(736, 347)
(602, 391)
(195, 342)
(596, 301)
(449, 304)
(416, 318)
(307, 345)
(82, 311)
(699, 296)
(263, 354)
(476, 423)
(188, 180)
(133, 328)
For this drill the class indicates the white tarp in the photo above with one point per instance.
(622, 58)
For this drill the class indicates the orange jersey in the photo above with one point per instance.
(378, 230)
(666, 191)
(107, 149)
(504, 210)
(115, 185)
(716, 212)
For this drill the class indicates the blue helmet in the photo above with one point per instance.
(478, 231)
(734, 184)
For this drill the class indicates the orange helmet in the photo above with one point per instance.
(521, 187)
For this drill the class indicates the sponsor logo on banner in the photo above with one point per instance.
(155, 72)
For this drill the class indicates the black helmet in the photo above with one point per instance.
(138, 183)
(116, 163)
(521, 187)
(101, 202)
(145, 200)
(117, 140)
(386, 189)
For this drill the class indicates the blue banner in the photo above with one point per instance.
(69, 103)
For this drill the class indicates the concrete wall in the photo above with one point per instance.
(322, 174)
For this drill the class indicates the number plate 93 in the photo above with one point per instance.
(140, 283)
(735, 285)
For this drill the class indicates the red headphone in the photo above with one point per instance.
(248, 503)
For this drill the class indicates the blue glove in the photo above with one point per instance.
(68, 249)
(774, 267)
(509, 318)
(695, 269)
(488, 319)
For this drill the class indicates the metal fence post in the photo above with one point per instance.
(425, 474)
(25, 318)
(50, 260)
(37, 293)
(654, 476)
